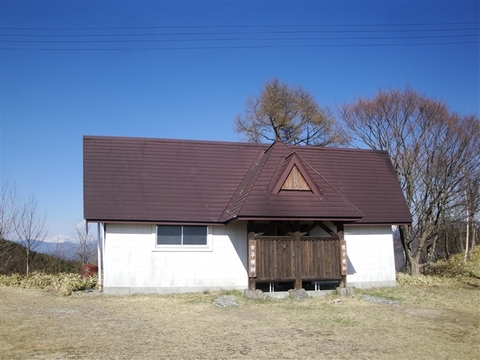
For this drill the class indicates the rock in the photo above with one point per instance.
(298, 294)
(226, 301)
(255, 294)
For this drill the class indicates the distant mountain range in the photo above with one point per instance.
(12, 259)
(65, 250)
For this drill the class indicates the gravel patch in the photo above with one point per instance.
(226, 301)
(379, 300)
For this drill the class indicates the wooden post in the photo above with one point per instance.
(298, 260)
(343, 255)
(252, 256)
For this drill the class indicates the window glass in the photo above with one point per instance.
(169, 235)
(181, 235)
(195, 235)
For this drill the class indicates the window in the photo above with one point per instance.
(171, 235)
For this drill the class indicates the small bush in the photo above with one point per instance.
(63, 283)
(451, 272)
(455, 267)
(11, 280)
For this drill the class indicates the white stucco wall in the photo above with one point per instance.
(133, 263)
(371, 260)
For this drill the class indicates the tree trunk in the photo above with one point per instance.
(466, 243)
(412, 262)
(432, 249)
(474, 233)
(28, 258)
(467, 235)
(447, 248)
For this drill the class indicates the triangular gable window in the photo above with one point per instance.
(295, 177)
(295, 181)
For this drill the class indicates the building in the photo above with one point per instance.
(186, 216)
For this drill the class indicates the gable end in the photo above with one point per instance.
(295, 177)
(295, 181)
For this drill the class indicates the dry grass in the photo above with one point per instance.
(429, 323)
(61, 283)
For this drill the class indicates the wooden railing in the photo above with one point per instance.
(295, 257)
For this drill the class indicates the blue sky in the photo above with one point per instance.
(183, 70)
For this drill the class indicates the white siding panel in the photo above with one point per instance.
(371, 259)
(134, 265)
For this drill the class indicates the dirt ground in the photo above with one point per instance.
(429, 323)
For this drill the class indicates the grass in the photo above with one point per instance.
(436, 323)
(433, 321)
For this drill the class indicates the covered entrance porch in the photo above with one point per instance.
(287, 255)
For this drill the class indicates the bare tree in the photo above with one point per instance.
(9, 207)
(84, 247)
(289, 114)
(472, 206)
(29, 227)
(432, 150)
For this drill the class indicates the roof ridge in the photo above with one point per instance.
(172, 140)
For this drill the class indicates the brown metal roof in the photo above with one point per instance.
(159, 180)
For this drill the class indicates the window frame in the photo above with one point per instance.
(184, 247)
